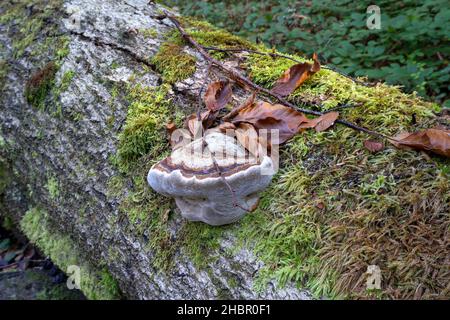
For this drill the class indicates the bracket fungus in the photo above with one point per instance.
(195, 176)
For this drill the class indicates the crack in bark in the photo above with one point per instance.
(100, 42)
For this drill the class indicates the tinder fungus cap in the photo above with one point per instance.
(191, 177)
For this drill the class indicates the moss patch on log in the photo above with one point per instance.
(95, 283)
(173, 64)
(39, 85)
(334, 208)
(33, 28)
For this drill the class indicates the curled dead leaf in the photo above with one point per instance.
(434, 140)
(217, 95)
(295, 76)
(263, 115)
(248, 102)
(226, 126)
(248, 138)
(171, 127)
(322, 122)
(194, 125)
(373, 146)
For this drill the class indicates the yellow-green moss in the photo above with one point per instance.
(53, 187)
(173, 64)
(33, 35)
(149, 33)
(96, 282)
(334, 208)
(66, 80)
(149, 111)
(4, 176)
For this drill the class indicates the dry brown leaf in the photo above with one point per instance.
(321, 123)
(217, 95)
(171, 127)
(295, 76)
(373, 146)
(434, 140)
(248, 102)
(226, 126)
(207, 118)
(263, 115)
(327, 120)
(193, 124)
(248, 138)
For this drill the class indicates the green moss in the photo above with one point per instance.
(53, 188)
(5, 171)
(29, 23)
(58, 292)
(4, 176)
(66, 80)
(43, 82)
(142, 143)
(365, 195)
(200, 242)
(95, 283)
(40, 85)
(114, 65)
(173, 64)
(33, 36)
(149, 33)
(8, 223)
(143, 135)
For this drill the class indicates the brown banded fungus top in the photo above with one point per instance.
(190, 175)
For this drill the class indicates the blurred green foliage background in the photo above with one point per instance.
(411, 49)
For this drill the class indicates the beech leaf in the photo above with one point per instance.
(217, 95)
(248, 138)
(193, 124)
(170, 127)
(434, 140)
(263, 115)
(295, 76)
(322, 122)
(226, 126)
(373, 146)
(325, 121)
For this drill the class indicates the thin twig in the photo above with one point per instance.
(200, 101)
(245, 82)
(230, 115)
(344, 106)
(205, 143)
(216, 166)
(271, 54)
(274, 55)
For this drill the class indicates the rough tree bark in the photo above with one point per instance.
(70, 72)
(69, 139)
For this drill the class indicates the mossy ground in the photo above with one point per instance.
(334, 208)
(95, 284)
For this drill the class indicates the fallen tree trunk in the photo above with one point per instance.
(87, 88)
